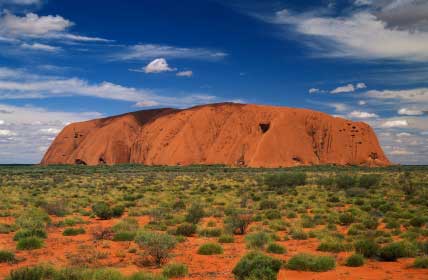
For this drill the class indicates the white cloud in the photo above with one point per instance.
(418, 95)
(34, 26)
(40, 47)
(403, 134)
(29, 131)
(362, 102)
(361, 35)
(146, 104)
(8, 73)
(343, 89)
(6, 132)
(2, 122)
(151, 51)
(362, 115)
(400, 152)
(158, 65)
(395, 123)
(21, 2)
(360, 86)
(314, 90)
(50, 131)
(29, 86)
(185, 73)
(410, 112)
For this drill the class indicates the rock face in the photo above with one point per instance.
(226, 133)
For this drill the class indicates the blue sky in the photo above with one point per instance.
(66, 61)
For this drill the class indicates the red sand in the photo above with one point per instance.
(200, 267)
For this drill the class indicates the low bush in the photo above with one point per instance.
(346, 181)
(256, 240)
(175, 270)
(7, 257)
(299, 234)
(421, 262)
(29, 243)
(186, 229)
(307, 262)
(210, 249)
(102, 210)
(225, 238)
(23, 233)
(157, 245)
(237, 222)
(195, 213)
(117, 211)
(282, 182)
(369, 180)
(334, 245)
(275, 248)
(256, 265)
(355, 260)
(124, 236)
(7, 228)
(73, 231)
(366, 247)
(210, 232)
(393, 251)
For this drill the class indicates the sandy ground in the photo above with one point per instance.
(58, 247)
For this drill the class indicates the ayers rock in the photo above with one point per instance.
(224, 133)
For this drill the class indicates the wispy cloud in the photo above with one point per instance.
(33, 26)
(360, 34)
(151, 51)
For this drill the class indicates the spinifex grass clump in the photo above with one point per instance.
(157, 245)
(210, 249)
(256, 265)
(307, 262)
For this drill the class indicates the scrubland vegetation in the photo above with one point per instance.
(210, 222)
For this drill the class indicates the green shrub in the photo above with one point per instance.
(307, 262)
(32, 273)
(282, 182)
(117, 211)
(366, 247)
(124, 236)
(355, 260)
(210, 249)
(126, 225)
(418, 221)
(255, 265)
(29, 243)
(73, 231)
(346, 218)
(345, 181)
(273, 214)
(157, 245)
(369, 180)
(186, 229)
(275, 248)
(175, 270)
(237, 222)
(256, 240)
(421, 262)
(226, 238)
(7, 257)
(102, 210)
(268, 204)
(299, 234)
(210, 232)
(195, 213)
(393, 251)
(33, 219)
(23, 233)
(334, 245)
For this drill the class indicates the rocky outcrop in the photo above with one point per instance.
(226, 133)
